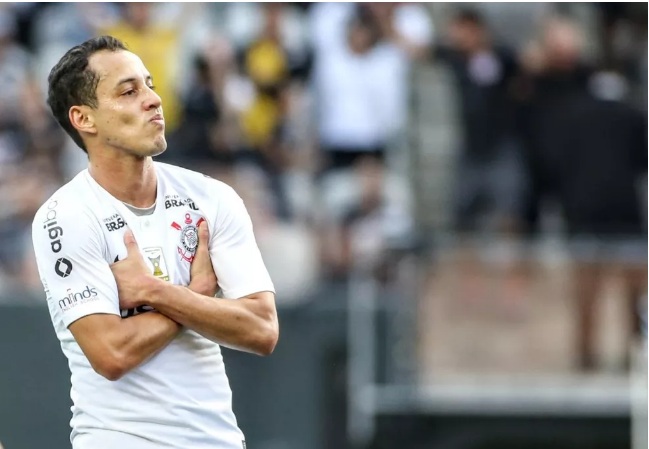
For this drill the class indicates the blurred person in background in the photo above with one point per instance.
(30, 149)
(55, 28)
(128, 253)
(603, 151)
(203, 139)
(490, 178)
(15, 64)
(58, 26)
(586, 151)
(621, 27)
(157, 43)
(267, 63)
(374, 226)
(622, 33)
(14, 69)
(362, 56)
(555, 77)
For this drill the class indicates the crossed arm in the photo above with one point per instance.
(247, 324)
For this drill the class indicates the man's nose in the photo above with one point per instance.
(153, 100)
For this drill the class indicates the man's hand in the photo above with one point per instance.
(203, 279)
(132, 275)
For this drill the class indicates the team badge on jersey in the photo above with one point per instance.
(188, 237)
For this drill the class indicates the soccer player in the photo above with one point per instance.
(130, 252)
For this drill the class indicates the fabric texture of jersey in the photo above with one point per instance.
(179, 398)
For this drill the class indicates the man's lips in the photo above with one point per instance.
(158, 118)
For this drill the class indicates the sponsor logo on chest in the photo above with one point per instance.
(114, 222)
(172, 201)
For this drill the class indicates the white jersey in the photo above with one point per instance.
(179, 398)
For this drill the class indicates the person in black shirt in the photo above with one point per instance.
(602, 146)
(489, 181)
(489, 177)
(554, 77)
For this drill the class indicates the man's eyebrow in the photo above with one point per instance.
(133, 79)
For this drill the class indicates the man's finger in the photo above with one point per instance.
(203, 237)
(131, 245)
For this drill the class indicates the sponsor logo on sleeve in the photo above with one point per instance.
(54, 231)
(63, 267)
(73, 299)
(188, 237)
(114, 222)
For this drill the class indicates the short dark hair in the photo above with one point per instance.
(71, 82)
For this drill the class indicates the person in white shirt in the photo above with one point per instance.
(363, 53)
(131, 253)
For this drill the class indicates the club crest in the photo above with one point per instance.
(188, 237)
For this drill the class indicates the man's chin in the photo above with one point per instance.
(160, 148)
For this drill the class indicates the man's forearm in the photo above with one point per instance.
(143, 336)
(115, 345)
(247, 324)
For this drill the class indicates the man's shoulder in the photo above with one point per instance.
(68, 203)
(199, 183)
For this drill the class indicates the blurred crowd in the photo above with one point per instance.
(303, 108)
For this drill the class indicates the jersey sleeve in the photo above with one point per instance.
(235, 255)
(76, 277)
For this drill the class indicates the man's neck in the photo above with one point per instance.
(130, 180)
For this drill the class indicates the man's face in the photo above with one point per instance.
(466, 36)
(128, 115)
(359, 38)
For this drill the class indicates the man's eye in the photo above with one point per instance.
(129, 92)
(152, 87)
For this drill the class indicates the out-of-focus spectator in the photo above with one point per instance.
(289, 248)
(556, 77)
(55, 29)
(59, 26)
(267, 64)
(15, 65)
(362, 56)
(41, 137)
(603, 155)
(489, 178)
(374, 225)
(25, 14)
(619, 32)
(15, 191)
(204, 138)
(157, 44)
(621, 35)
(33, 173)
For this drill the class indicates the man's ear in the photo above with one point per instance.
(83, 119)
